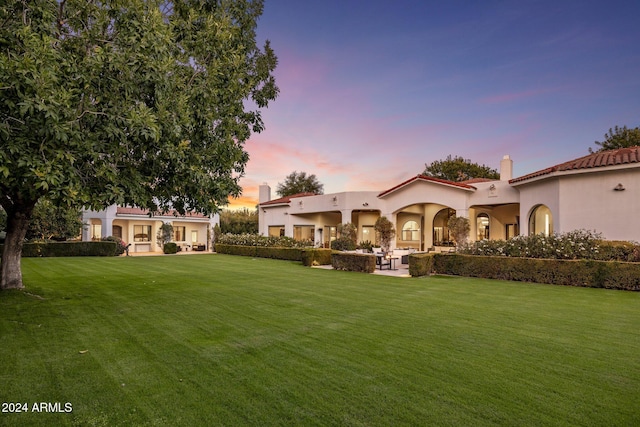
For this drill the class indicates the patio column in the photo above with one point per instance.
(346, 215)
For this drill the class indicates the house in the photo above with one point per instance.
(140, 228)
(598, 192)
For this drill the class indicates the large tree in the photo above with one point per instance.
(299, 182)
(141, 102)
(619, 137)
(458, 169)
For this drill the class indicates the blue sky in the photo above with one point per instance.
(370, 91)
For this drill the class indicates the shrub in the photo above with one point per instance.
(588, 273)
(343, 244)
(265, 241)
(61, 249)
(578, 244)
(366, 245)
(363, 263)
(420, 264)
(121, 246)
(316, 256)
(170, 248)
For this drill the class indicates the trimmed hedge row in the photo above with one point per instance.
(307, 256)
(61, 249)
(421, 264)
(365, 263)
(586, 273)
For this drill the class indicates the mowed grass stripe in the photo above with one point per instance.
(222, 340)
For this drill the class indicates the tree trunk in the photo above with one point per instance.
(10, 269)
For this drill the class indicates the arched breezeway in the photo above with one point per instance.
(422, 226)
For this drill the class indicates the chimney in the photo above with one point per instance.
(506, 168)
(265, 193)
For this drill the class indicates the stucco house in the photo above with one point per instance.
(598, 192)
(137, 227)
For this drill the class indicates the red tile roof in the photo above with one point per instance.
(138, 211)
(621, 156)
(286, 199)
(429, 179)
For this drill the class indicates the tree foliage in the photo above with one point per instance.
(459, 228)
(619, 137)
(54, 222)
(458, 169)
(134, 102)
(242, 221)
(299, 182)
(385, 232)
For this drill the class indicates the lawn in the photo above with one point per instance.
(223, 340)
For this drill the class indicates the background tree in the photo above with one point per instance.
(54, 222)
(619, 137)
(458, 169)
(385, 232)
(459, 228)
(239, 221)
(299, 182)
(165, 234)
(137, 102)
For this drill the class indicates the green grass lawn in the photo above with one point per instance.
(222, 340)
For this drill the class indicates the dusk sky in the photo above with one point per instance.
(372, 90)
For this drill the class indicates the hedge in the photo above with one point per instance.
(62, 249)
(365, 263)
(421, 264)
(170, 248)
(319, 256)
(586, 273)
(307, 255)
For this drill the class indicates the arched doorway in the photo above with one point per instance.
(482, 227)
(541, 221)
(441, 236)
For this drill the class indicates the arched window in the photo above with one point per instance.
(411, 231)
(482, 226)
(117, 231)
(541, 221)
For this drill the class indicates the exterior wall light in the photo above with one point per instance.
(619, 187)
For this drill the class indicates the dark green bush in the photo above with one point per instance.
(420, 264)
(223, 248)
(343, 244)
(317, 255)
(364, 263)
(60, 249)
(588, 273)
(170, 248)
(290, 254)
(120, 244)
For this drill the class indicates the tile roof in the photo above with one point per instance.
(120, 210)
(286, 199)
(429, 179)
(621, 156)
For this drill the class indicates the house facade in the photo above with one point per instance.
(139, 228)
(598, 192)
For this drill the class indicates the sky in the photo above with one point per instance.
(371, 90)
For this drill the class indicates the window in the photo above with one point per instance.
(96, 231)
(512, 231)
(303, 232)
(276, 230)
(411, 231)
(179, 234)
(482, 226)
(141, 233)
(368, 233)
